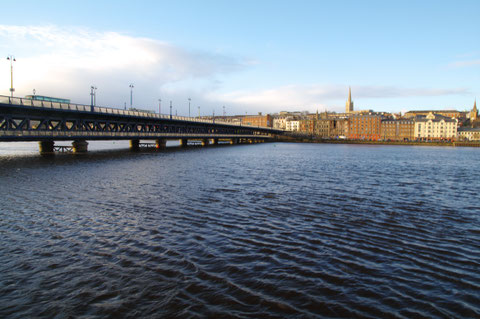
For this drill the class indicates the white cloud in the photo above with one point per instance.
(66, 61)
(466, 63)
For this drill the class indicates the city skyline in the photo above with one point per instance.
(251, 57)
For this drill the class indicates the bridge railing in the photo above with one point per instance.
(88, 108)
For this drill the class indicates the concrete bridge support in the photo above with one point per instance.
(46, 147)
(233, 141)
(215, 141)
(183, 142)
(161, 144)
(80, 146)
(135, 145)
(205, 142)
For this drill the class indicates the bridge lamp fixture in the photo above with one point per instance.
(12, 59)
(93, 93)
(189, 100)
(131, 95)
(159, 106)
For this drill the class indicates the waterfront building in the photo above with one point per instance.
(469, 134)
(435, 127)
(349, 104)
(279, 122)
(364, 127)
(332, 127)
(397, 130)
(292, 124)
(323, 128)
(258, 120)
(308, 125)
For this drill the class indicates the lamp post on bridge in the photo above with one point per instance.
(189, 100)
(131, 95)
(159, 106)
(12, 59)
(170, 109)
(92, 96)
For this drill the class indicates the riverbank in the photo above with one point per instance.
(346, 141)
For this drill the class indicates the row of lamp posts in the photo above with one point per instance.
(93, 90)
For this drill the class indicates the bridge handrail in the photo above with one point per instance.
(88, 108)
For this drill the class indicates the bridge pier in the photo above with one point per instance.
(80, 146)
(183, 142)
(161, 144)
(215, 141)
(233, 141)
(135, 145)
(46, 147)
(204, 142)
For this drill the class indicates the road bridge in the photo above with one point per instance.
(24, 119)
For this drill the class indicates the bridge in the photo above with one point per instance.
(26, 119)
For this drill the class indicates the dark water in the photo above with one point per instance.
(250, 231)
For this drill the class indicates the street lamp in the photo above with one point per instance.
(131, 95)
(199, 112)
(92, 96)
(189, 100)
(170, 109)
(159, 106)
(12, 59)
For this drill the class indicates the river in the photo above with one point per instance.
(248, 231)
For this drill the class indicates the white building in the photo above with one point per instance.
(292, 125)
(280, 122)
(435, 127)
(469, 134)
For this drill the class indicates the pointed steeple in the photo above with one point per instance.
(349, 104)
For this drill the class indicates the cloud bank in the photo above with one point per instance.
(63, 62)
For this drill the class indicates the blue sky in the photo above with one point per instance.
(251, 56)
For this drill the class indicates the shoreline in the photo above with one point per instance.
(410, 143)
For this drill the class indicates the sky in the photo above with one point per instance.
(246, 56)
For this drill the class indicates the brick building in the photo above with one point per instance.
(364, 127)
(397, 130)
(258, 120)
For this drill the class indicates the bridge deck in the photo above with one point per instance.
(31, 120)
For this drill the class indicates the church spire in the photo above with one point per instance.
(349, 104)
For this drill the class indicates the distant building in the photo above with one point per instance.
(397, 130)
(279, 122)
(258, 120)
(332, 127)
(292, 124)
(349, 104)
(469, 134)
(308, 125)
(435, 127)
(364, 127)
(447, 113)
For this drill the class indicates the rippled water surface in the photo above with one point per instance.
(248, 231)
